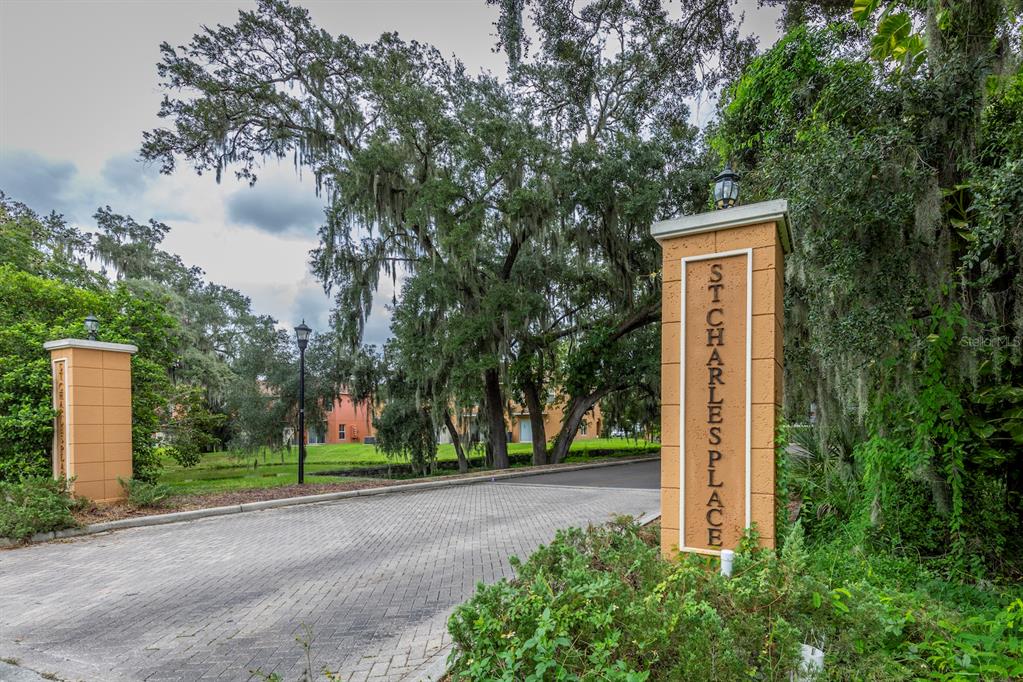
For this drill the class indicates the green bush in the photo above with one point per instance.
(602, 604)
(34, 310)
(34, 505)
(189, 426)
(145, 494)
(186, 458)
(986, 646)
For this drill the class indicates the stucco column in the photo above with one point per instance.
(92, 429)
(721, 373)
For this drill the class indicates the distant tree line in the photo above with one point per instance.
(210, 373)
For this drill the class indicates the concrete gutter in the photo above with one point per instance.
(176, 517)
(649, 518)
(433, 670)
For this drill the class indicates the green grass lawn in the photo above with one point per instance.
(222, 471)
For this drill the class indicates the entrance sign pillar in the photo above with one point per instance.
(721, 374)
(92, 429)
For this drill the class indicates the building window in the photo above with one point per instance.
(582, 427)
(340, 431)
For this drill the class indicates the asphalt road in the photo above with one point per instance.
(369, 582)
(645, 475)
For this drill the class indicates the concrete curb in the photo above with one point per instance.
(191, 515)
(648, 518)
(433, 670)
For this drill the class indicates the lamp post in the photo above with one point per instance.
(92, 326)
(726, 188)
(302, 334)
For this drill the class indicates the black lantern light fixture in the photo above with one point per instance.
(302, 332)
(92, 326)
(726, 188)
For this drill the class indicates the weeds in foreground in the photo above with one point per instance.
(35, 505)
(602, 604)
(143, 494)
(305, 640)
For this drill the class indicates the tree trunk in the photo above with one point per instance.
(535, 407)
(463, 463)
(577, 409)
(497, 438)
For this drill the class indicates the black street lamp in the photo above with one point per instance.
(92, 326)
(302, 334)
(726, 188)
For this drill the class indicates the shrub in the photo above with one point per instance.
(35, 309)
(34, 505)
(602, 604)
(186, 458)
(189, 426)
(145, 494)
(984, 647)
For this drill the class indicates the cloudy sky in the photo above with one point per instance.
(78, 86)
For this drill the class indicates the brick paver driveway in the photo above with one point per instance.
(371, 579)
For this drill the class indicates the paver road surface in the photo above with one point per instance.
(370, 581)
(639, 475)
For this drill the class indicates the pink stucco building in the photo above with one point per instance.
(346, 422)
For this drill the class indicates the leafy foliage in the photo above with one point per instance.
(516, 208)
(34, 310)
(896, 139)
(47, 246)
(208, 370)
(986, 646)
(223, 352)
(143, 493)
(602, 604)
(405, 428)
(34, 505)
(190, 426)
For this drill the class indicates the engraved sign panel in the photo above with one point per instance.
(715, 410)
(60, 458)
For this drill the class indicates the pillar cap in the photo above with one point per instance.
(91, 345)
(776, 211)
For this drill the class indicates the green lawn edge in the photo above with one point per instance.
(224, 471)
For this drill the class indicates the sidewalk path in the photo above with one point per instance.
(372, 580)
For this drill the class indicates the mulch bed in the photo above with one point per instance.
(123, 510)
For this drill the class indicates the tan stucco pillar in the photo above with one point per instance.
(92, 430)
(721, 373)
